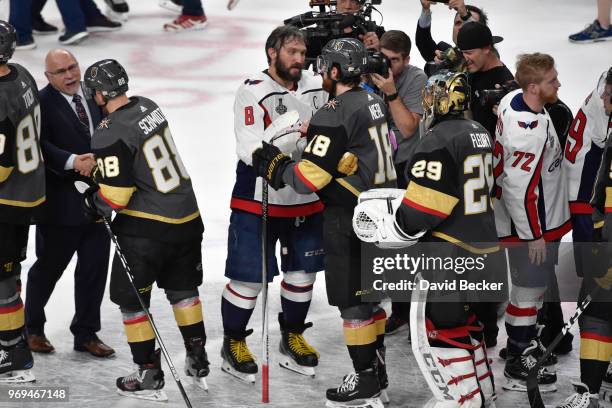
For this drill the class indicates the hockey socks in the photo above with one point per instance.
(12, 318)
(360, 339)
(237, 304)
(521, 317)
(595, 351)
(189, 318)
(140, 335)
(296, 294)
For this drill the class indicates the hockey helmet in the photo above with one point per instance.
(445, 93)
(348, 54)
(108, 77)
(8, 41)
(605, 80)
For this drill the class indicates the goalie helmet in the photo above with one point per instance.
(108, 77)
(8, 41)
(348, 54)
(445, 93)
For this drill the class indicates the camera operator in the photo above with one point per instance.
(369, 39)
(485, 69)
(403, 96)
(424, 41)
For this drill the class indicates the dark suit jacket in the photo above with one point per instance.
(62, 134)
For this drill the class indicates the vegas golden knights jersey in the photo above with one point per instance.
(602, 193)
(142, 176)
(22, 173)
(354, 122)
(450, 181)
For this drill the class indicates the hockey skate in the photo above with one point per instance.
(145, 383)
(517, 370)
(196, 362)
(581, 398)
(16, 365)
(380, 365)
(296, 354)
(358, 390)
(237, 358)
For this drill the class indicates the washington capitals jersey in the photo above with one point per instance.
(450, 179)
(529, 177)
(22, 173)
(259, 101)
(354, 122)
(583, 150)
(141, 175)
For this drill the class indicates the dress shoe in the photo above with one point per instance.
(39, 344)
(95, 347)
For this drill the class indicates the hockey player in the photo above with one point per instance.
(22, 191)
(449, 181)
(532, 209)
(348, 151)
(295, 220)
(592, 192)
(140, 175)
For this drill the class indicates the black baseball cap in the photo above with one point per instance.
(474, 35)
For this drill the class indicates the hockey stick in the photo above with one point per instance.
(533, 390)
(265, 397)
(81, 188)
(232, 3)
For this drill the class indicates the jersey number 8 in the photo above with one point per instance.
(163, 160)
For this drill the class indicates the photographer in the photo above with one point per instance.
(485, 69)
(370, 39)
(403, 96)
(426, 44)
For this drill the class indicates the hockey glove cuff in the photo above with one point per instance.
(270, 163)
(92, 211)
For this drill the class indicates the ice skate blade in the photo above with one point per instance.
(199, 382)
(359, 403)
(517, 385)
(17, 376)
(149, 395)
(384, 397)
(247, 378)
(291, 365)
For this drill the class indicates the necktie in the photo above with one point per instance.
(81, 112)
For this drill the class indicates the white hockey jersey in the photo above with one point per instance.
(528, 174)
(583, 151)
(259, 101)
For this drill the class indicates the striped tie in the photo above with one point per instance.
(81, 112)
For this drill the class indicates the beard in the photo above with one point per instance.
(549, 98)
(285, 72)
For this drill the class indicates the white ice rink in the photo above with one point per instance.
(193, 77)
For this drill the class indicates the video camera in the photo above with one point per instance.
(491, 97)
(326, 24)
(451, 59)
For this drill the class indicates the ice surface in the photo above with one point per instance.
(193, 77)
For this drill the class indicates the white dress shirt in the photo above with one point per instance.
(70, 162)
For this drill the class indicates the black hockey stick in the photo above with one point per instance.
(533, 390)
(265, 386)
(82, 187)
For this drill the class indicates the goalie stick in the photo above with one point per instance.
(533, 390)
(81, 187)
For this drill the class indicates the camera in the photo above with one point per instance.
(491, 97)
(451, 59)
(377, 63)
(327, 24)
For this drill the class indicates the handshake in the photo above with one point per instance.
(84, 164)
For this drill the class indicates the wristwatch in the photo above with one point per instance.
(392, 97)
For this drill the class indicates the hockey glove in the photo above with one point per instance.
(91, 209)
(270, 163)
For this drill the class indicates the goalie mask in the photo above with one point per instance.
(445, 93)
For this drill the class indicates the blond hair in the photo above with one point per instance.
(530, 68)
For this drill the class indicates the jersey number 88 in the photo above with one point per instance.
(163, 159)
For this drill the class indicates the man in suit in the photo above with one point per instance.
(67, 120)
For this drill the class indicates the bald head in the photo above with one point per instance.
(62, 71)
